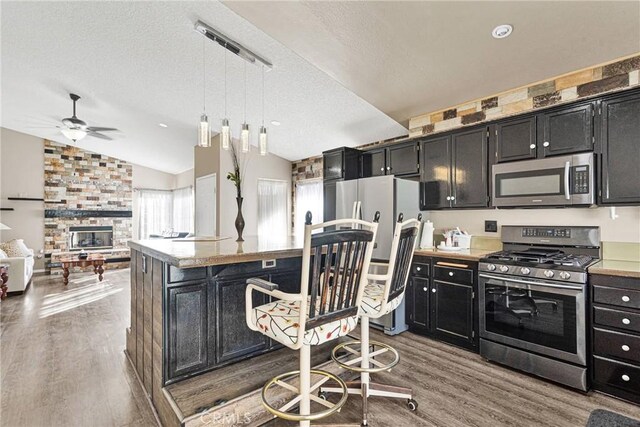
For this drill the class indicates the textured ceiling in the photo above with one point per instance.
(408, 58)
(137, 64)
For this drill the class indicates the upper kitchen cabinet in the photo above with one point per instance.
(566, 130)
(619, 139)
(398, 159)
(515, 139)
(553, 132)
(455, 170)
(341, 163)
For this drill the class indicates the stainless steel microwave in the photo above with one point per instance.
(554, 181)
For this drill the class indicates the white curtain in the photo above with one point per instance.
(308, 198)
(272, 209)
(183, 210)
(156, 212)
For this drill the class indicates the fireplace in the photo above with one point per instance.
(90, 237)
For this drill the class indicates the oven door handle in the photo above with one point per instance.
(527, 282)
(567, 171)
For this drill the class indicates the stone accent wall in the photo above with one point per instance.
(303, 170)
(585, 83)
(82, 180)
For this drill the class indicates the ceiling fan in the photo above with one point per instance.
(76, 129)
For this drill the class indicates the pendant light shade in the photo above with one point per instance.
(244, 138)
(204, 132)
(225, 134)
(262, 141)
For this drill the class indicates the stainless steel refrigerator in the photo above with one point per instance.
(391, 196)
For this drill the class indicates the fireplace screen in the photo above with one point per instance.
(90, 237)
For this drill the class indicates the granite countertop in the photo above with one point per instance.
(468, 254)
(616, 268)
(185, 253)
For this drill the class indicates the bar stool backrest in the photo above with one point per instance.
(336, 263)
(402, 249)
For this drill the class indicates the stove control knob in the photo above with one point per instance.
(504, 268)
(525, 271)
(491, 267)
(565, 275)
(548, 273)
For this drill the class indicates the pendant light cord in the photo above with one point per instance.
(263, 96)
(245, 92)
(204, 80)
(225, 82)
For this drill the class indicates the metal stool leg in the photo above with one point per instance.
(305, 383)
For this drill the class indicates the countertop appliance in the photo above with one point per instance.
(533, 301)
(391, 196)
(553, 181)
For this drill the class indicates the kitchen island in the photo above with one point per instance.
(188, 306)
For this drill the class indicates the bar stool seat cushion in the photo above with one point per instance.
(374, 297)
(279, 320)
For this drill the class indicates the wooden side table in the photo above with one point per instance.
(4, 278)
(95, 261)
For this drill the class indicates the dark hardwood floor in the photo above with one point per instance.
(62, 364)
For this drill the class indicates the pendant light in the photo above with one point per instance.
(204, 130)
(244, 133)
(225, 131)
(262, 138)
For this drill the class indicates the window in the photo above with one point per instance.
(156, 212)
(308, 198)
(183, 210)
(272, 209)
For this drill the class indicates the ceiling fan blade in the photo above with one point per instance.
(100, 129)
(99, 135)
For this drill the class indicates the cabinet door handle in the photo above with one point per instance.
(545, 144)
(418, 268)
(532, 146)
(382, 169)
(425, 289)
(625, 347)
(448, 197)
(626, 321)
(625, 377)
(625, 298)
(388, 168)
(451, 273)
(453, 198)
(433, 290)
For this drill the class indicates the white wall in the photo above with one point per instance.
(22, 175)
(185, 179)
(626, 228)
(270, 167)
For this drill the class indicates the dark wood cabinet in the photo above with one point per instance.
(469, 169)
(441, 303)
(341, 163)
(187, 328)
(234, 338)
(566, 130)
(515, 139)
(619, 148)
(373, 162)
(455, 170)
(615, 335)
(399, 160)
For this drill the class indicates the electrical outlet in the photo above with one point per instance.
(491, 226)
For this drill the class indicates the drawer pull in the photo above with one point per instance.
(425, 289)
(625, 348)
(626, 321)
(625, 377)
(451, 273)
(625, 298)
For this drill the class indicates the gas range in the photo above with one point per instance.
(547, 253)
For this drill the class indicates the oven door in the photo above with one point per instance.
(555, 181)
(540, 317)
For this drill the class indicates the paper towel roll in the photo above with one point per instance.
(427, 235)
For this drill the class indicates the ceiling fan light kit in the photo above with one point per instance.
(76, 129)
(73, 134)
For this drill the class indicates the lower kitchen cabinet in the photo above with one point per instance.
(440, 300)
(615, 335)
(205, 319)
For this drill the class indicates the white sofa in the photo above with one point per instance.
(20, 272)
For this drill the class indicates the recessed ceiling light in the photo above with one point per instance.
(275, 122)
(162, 125)
(502, 31)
